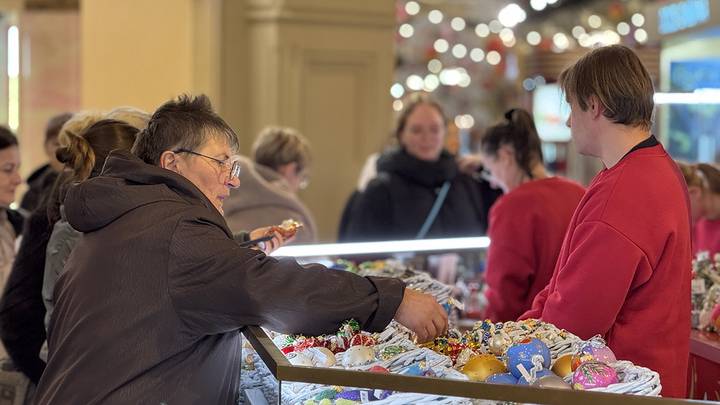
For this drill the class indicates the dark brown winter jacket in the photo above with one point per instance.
(149, 307)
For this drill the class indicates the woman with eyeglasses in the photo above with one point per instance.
(11, 222)
(158, 292)
(528, 223)
(279, 169)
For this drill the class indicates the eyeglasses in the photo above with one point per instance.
(231, 164)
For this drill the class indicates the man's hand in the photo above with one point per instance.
(423, 315)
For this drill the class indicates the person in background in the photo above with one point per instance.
(131, 115)
(22, 311)
(83, 156)
(10, 220)
(270, 182)
(625, 265)
(703, 183)
(418, 191)
(41, 180)
(528, 223)
(158, 278)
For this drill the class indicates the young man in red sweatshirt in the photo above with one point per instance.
(624, 267)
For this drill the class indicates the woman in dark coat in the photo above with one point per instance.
(419, 191)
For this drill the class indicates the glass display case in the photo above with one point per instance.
(276, 379)
(439, 390)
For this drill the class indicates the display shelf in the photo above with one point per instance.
(282, 370)
(705, 345)
(704, 365)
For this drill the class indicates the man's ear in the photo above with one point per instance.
(596, 107)
(169, 160)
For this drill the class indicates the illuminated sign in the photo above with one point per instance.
(683, 15)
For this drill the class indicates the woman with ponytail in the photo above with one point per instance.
(22, 311)
(528, 223)
(83, 156)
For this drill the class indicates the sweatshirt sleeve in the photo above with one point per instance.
(217, 286)
(538, 303)
(591, 287)
(510, 264)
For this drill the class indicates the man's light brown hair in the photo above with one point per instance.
(617, 78)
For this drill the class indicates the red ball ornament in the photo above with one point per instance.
(379, 369)
(362, 340)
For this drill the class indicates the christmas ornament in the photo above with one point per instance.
(593, 374)
(563, 366)
(483, 366)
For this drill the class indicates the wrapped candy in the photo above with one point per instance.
(499, 343)
(593, 374)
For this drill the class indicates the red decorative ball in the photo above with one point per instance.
(379, 369)
(362, 340)
(308, 343)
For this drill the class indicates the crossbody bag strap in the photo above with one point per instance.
(432, 215)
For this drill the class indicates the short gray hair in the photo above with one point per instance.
(278, 146)
(184, 123)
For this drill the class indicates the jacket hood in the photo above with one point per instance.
(127, 183)
(429, 174)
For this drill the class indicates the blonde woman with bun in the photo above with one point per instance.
(22, 311)
(84, 157)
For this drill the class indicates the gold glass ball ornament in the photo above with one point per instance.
(483, 366)
(563, 365)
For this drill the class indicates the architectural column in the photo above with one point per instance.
(324, 67)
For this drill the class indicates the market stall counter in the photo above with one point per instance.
(527, 361)
(457, 391)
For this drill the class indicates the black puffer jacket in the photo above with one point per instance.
(396, 203)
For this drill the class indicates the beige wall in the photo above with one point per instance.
(49, 77)
(142, 53)
(322, 66)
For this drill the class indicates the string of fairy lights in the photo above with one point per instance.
(456, 42)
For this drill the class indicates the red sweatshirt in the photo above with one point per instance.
(624, 267)
(527, 226)
(707, 236)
